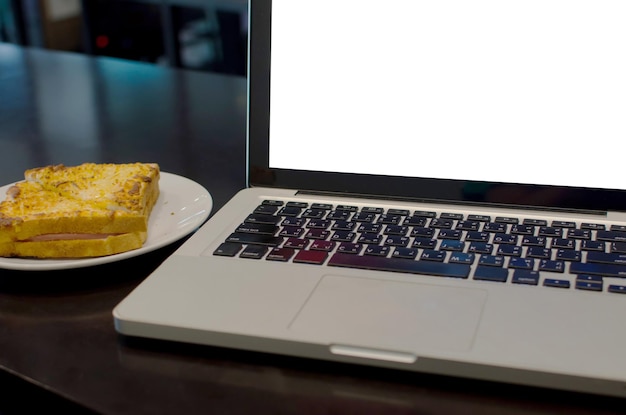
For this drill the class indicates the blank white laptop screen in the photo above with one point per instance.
(382, 87)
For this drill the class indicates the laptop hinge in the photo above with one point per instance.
(616, 216)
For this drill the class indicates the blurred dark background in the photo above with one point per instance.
(203, 35)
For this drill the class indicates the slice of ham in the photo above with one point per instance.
(69, 236)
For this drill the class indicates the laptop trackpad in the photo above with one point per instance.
(391, 315)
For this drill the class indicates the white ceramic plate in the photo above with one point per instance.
(183, 206)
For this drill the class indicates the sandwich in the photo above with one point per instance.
(81, 211)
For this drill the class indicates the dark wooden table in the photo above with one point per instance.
(58, 346)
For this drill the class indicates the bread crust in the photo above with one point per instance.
(86, 199)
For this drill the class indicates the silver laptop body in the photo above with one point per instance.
(506, 113)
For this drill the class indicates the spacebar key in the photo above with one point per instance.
(400, 265)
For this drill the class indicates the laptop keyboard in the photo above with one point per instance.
(529, 251)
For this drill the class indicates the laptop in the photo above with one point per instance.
(434, 186)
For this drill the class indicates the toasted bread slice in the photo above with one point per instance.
(90, 246)
(90, 199)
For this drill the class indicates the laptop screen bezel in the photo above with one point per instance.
(394, 187)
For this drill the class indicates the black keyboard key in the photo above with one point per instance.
(479, 218)
(410, 253)
(254, 239)
(442, 223)
(319, 223)
(468, 225)
(350, 248)
(343, 225)
(425, 214)
(619, 289)
(507, 220)
(258, 228)
(291, 221)
(538, 252)
(415, 221)
(299, 205)
(364, 217)
(550, 232)
(397, 240)
(432, 255)
(266, 209)
(452, 245)
(477, 236)
(323, 206)
(509, 250)
(369, 227)
(400, 212)
(419, 232)
(291, 232)
(606, 270)
(374, 210)
(535, 222)
(611, 236)
(400, 265)
(534, 241)
(557, 283)
(563, 224)
(314, 213)
(377, 250)
(254, 251)
(605, 258)
(618, 228)
(589, 283)
(339, 215)
(522, 276)
(593, 226)
(505, 238)
(280, 254)
(228, 249)
(494, 227)
(273, 202)
(568, 255)
(450, 234)
(318, 234)
(491, 260)
(522, 263)
(311, 257)
(486, 273)
(347, 208)
(522, 229)
(480, 248)
(318, 245)
(388, 219)
(296, 243)
(598, 246)
(560, 243)
(424, 243)
(370, 238)
(618, 247)
(267, 219)
(589, 278)
(461, 258)
(453, 216)
(343, 236)
(290, 211)
(396, 230)
(579, 233)
(551, 266)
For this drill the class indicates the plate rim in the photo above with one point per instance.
(15, 264)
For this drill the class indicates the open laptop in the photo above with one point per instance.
(434, 186)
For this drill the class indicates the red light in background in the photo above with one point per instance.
(102, 41)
